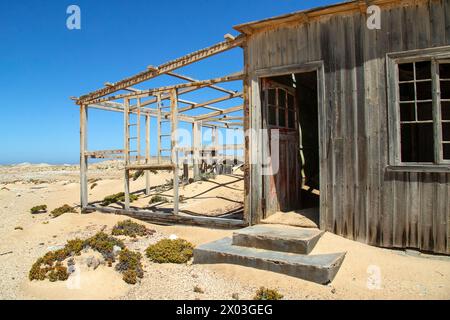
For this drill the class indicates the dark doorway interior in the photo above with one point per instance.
(299, 161)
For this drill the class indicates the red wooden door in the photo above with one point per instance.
(280, 111)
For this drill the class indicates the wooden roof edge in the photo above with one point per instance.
(304, 15)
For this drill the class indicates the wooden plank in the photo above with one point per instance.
(208, 103)
(218, 113)
(147, 153)
(163, 217)
(83, 158)
(126, 116)
(174, 142)
(190, 79)
(150, 166)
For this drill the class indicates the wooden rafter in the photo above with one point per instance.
(152, 92)
(190, 79)
(208, 103)
(162, 69)
(218, 113)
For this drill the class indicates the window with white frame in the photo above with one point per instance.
(421, 110)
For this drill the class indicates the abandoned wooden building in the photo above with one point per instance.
(360, 118)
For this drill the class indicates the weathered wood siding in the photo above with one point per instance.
(361, 199)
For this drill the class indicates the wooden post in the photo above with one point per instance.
(138, 129)
(83, 158)
(126, 115)
(147, 153)
(158, 127)
(196, 145)
(174, 145)
(215, 150)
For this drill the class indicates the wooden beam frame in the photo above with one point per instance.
(162, 69)
(151, 92)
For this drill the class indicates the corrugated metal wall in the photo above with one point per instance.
(363, 201)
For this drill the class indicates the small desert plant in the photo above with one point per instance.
(235, 296)
(198, 289)
(104, 244)
(50, 265)
(131, 229)
(94, 185)
(207, 176)
(39, 209)
(267, 294)
(61, 210)
(138, 174)
(75, 246)
(158, 198)
(118, 197)
(170, 251)
(130, 266)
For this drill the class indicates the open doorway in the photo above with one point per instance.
(291, 113)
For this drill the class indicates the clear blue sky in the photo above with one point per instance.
(42, 63)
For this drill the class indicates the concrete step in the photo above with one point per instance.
(278, 238)
(317, 268)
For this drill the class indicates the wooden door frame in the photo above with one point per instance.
(258, 121)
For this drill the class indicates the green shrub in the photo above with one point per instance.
(104, 244)
(170, 251)
(138, 174)
(158, 198)
(130, 266)
(61, 210)
(197, 289)
(50, 265)
(267, 294)
(75, 246)
(131, 229)
(118, 197)
(39, 209)
(207, 176)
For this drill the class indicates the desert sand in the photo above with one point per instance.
(402, 275)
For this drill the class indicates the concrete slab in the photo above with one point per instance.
(278, 238)
(317, 268)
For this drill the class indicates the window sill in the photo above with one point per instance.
(418, 168)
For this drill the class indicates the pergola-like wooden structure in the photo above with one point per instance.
(136, 104)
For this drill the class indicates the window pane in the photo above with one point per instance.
(290, 101)
(446, 149)
(291, 119)
(281, 98)
(406, 72)
(423, 70)
(444, 71)
(407, 92)
(417, 143)
(282, 117)
(445, 110)
(424, 90)
(407, 112)
(424, 111)
(446, 132)
(445, 89)
(272, 116)
(272, 96)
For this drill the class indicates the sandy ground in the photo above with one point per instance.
(367, 272)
